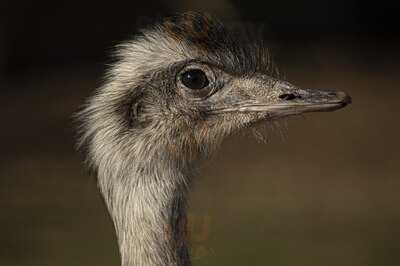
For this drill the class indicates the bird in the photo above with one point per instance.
(174, 93)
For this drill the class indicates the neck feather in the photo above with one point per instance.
(147, 203)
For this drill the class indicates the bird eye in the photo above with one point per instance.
(194, 79)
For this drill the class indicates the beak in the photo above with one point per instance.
(284, 99)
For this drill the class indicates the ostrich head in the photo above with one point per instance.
(174, 93)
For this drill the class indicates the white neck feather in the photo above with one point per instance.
(148, 207)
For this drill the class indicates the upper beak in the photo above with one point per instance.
(285, 99)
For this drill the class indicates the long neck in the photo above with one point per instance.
(148, 207)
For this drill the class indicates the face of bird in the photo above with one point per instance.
(197, 83)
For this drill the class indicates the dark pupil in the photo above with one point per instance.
(194, 79)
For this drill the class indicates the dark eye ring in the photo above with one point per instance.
(194, 79)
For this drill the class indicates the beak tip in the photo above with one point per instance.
(344, 98)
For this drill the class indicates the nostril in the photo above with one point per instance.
(288, 96)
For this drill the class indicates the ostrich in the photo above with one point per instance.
(174, 93)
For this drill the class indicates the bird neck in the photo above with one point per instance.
(148, 207)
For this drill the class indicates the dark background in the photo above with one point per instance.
(64, 33)
(323, 191)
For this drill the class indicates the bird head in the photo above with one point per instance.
(186, 84)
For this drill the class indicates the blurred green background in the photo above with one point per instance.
(324, 190)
